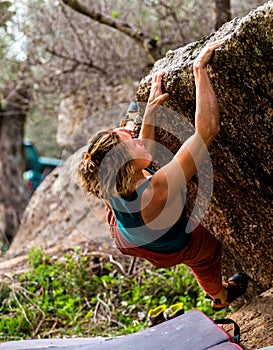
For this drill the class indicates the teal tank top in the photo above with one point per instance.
(133, 229)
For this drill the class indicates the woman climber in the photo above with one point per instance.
(145, 209)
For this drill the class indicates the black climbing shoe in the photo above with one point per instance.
(236, 287)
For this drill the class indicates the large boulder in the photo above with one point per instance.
(240, 211)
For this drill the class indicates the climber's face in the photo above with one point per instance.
(142, 158)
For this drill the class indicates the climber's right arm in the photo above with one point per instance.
(168, 181)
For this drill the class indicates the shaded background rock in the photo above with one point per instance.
(81, 115)
(59, 215)
(240, 213)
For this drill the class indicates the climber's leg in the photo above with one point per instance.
(204, 258)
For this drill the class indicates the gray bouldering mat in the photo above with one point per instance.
(191, 331)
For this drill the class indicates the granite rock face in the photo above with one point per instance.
(240, 212)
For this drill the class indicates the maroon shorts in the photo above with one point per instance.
(202, 254)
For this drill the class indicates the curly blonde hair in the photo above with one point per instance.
(106, 170)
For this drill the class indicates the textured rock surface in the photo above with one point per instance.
(255, 320)
(240, 212)
(59, 214)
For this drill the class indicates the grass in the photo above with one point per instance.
(89, 295)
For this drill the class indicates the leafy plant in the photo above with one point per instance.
(86, 295)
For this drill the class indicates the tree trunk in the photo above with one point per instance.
(223, 12)
(12, 162)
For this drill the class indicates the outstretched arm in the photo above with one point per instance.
(170, 179)
(207, 110)
(207, 117)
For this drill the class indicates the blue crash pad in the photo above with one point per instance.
(191, 331)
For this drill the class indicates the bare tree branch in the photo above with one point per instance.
(83, 63)
(149, 44)
(76, 34)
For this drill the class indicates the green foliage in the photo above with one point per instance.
(115, 14)
(36, 257)
(70, 296)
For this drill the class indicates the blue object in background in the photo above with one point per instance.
(37, 167)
